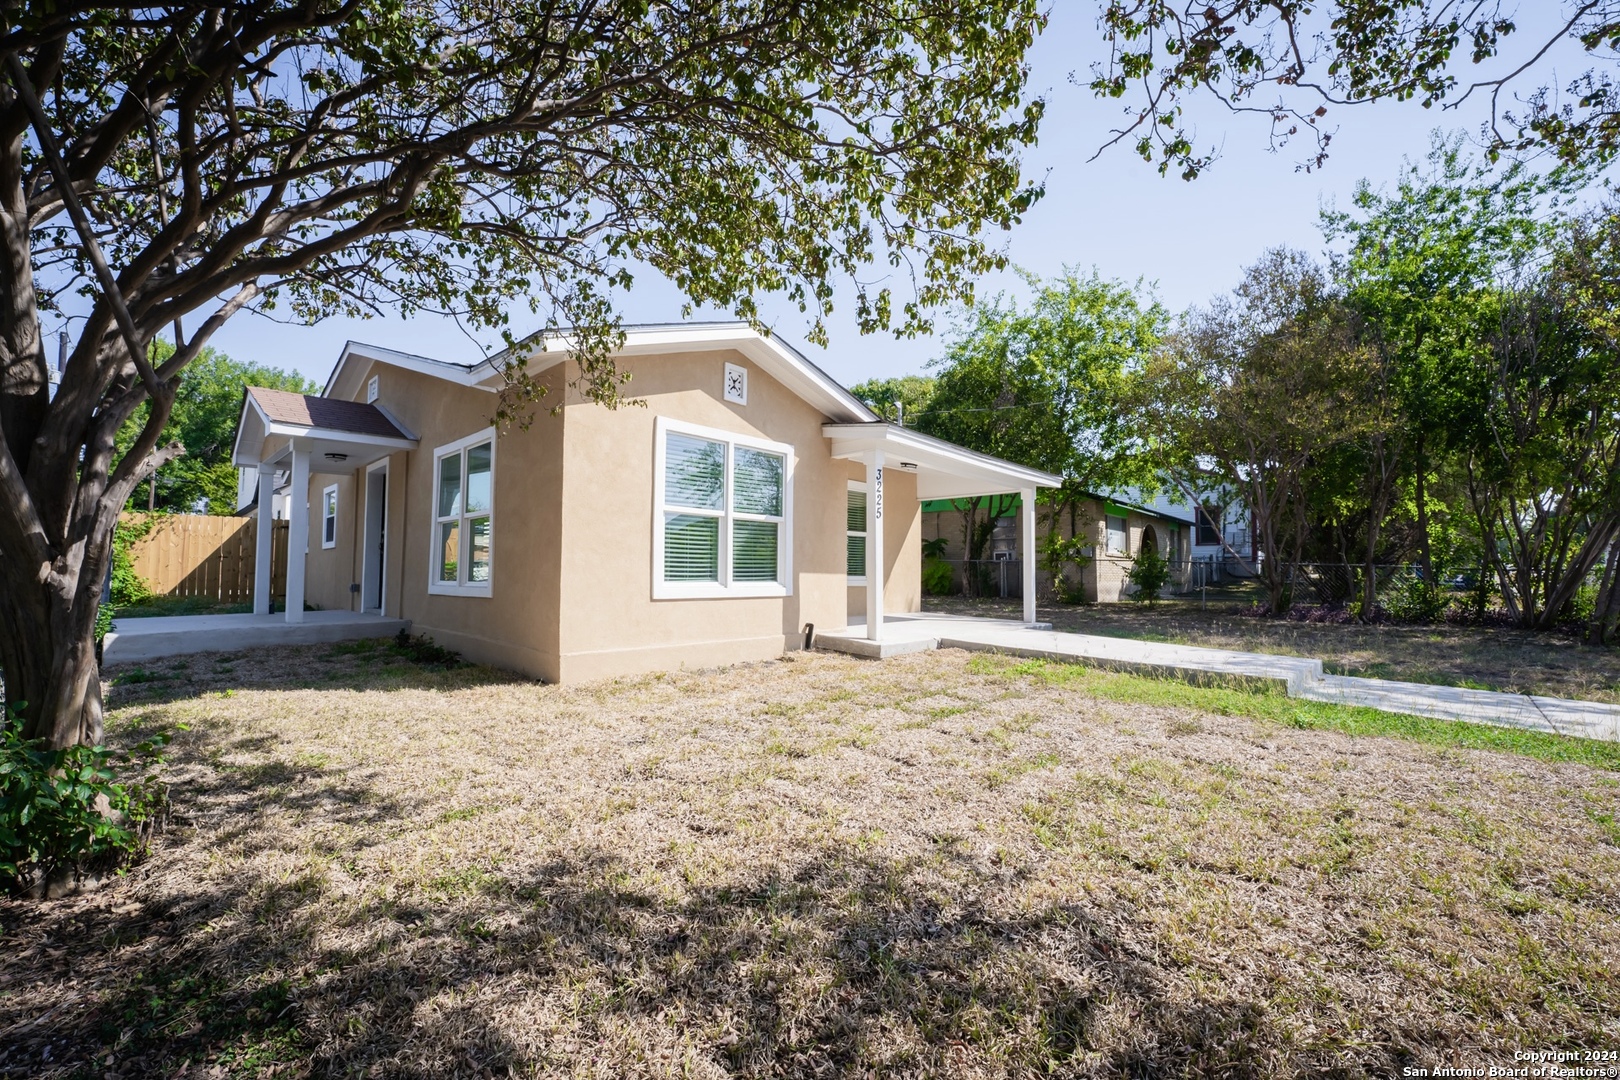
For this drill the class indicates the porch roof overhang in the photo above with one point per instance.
(944, 470)
(341, 436)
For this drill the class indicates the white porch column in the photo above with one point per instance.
(874, 546)
(262, 542)
(297, 533)
(1026, 517)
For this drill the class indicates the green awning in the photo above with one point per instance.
(998, 505)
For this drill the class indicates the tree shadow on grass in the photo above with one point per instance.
(832, 967)
(838, 961)
(370, 664)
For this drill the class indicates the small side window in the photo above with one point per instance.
(855, 535)
(329, 504)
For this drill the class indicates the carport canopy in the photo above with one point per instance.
(944, 471)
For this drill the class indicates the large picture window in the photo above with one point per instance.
(855, 534)
(723, 521)
(463, 516)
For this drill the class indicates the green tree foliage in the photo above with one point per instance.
(1491, 312)
(1294, 63)
(206, 410)
(1420, 269)
(1544, 473)
(1256, 389)
(173, 165)
(897, 400)
(1039, 383)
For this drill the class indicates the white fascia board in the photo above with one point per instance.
(975, 469)
(250, 410)
(459, 374)
(392, 419)
(301, 431)
(777, 360)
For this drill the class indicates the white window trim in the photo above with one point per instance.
(853, 581)
(1108, 544)
(445, 588)
(329, 497)
(725, 587)
(371, 389)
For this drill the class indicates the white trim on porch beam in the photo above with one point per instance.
(1026, 540)
(874, 546)
(297, 531)
(263, 546)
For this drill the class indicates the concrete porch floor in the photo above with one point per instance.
(138, 640)
(1299, 677)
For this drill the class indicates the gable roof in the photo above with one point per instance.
(333, 426)
(333, 414)
(776, 358)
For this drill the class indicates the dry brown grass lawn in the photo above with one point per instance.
(1485, 658)
(938, 865)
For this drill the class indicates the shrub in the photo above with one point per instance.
(1150, 573)
(938, 576)
(128, 587)
(1411, 599)
(81, 810)
(425, 651)
(1058, 556)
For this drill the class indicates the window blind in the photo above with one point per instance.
(694, 472)
(757, 482)
(691, 548)
(855, 555)
(753, 550)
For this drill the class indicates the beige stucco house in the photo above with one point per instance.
(745, 498)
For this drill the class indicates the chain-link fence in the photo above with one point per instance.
(1001, 579)
(1397, 586)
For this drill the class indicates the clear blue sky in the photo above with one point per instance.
(1115, 213)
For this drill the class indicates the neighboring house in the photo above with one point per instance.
(1221, 536)
(748, 496)
(1115, 533)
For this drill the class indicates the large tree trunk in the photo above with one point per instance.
(1606, 611)
(48, 653)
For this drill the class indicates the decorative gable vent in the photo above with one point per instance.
(737, 384)
(371, 390)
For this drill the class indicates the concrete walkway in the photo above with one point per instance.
(1298, 676)
(139, 640)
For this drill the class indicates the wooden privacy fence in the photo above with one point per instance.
(207, 555)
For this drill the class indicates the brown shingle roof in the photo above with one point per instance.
(307, 410)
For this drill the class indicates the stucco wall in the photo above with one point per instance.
(611, 625)
(573, 526)
(328, 571)
(902, 544)
(516, 626)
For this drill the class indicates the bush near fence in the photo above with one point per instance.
(206, 555)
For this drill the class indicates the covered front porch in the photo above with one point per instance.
(286, 438)
(943, 471)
